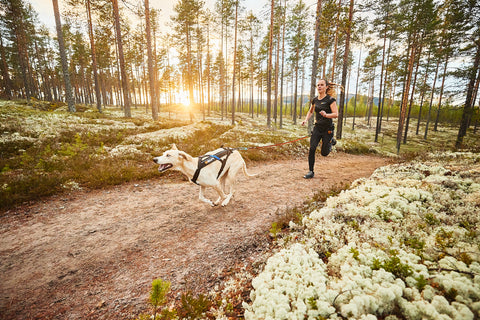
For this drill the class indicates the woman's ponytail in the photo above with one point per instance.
(331, 88)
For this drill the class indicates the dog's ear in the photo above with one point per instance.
(174, 146)
(184, 155)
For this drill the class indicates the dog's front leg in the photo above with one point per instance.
(221, 194)
(202, 197)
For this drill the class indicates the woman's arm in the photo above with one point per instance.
(309, 114)
(334, 113)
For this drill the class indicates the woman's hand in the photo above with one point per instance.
(303, 122)
(323, 113)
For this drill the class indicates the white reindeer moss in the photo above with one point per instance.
(402, 244)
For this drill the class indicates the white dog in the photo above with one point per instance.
(217, 169)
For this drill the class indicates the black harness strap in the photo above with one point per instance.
(206, 159)
(224, 161)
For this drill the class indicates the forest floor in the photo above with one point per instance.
(94, 254)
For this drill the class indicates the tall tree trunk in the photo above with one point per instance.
(431, 101)
(7, 82)
(234, 63)
(251, 74)
(294, 117)
(63, 58)
(337, 22)
(209, 75)
(469, 102)
(403, 108)
(435, 127)
(380, 111)
(412, 94)
(301, 90)
(371, 95)
(269, 67)
(423, 94)
(356, 85)
(316, 43)
(123, 72)
(98, 97)
(344, 72)
(21, 41)
(151, 72)
(283, 61)
(277, 57)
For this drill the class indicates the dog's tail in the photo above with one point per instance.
(245, 172)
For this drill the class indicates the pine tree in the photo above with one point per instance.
(63, 57)
(121, 57)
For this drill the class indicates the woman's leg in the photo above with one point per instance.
(314, 141)
(327, 137)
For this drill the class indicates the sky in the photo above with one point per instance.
(261, 8)
(45, 8)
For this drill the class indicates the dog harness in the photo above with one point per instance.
(206, 159)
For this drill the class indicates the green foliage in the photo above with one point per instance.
(450, 294)
(355, 253)
(445, 239)
(312, 302)
(322, 195)
(72, 149)
(274, 230)
(159, 292)
(431, 219)
(421, 282)
(193, 308)
(355, 147)
(415, 243)
(470, 229)
(158, 295)
(384, 214)
(393, 265)
(465, 258)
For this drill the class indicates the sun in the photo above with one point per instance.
(185, 101)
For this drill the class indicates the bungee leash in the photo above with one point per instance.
(272, 145)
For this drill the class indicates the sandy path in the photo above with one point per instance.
(94, 254)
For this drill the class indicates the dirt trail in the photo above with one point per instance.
(94, 254)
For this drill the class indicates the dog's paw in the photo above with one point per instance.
(227, 200)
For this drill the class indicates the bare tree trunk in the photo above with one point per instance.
(313, 78)
(295, 97)
(251, 75)
(435, 127)
(283, 60)
(123, 72)
(380, 110)
(469, 103)
(356, 86)
(269, 68)
(403, 108)
(94, 58)
(423, 94)
(371, 95)
(234, 63)
(7, 82)
(336, 40)
(412, 94)
(431, 101)
(209, 75)
(151, 73)
(277, 58)
(344, 73)
(63, 58)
